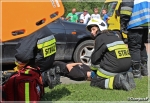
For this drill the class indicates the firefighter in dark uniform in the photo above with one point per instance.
(134, 19)
(113, 58)
(38, 50)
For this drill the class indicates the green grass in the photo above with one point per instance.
(83, 92)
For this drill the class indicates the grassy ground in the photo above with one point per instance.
(83, 92)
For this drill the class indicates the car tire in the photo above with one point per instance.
(82, 52)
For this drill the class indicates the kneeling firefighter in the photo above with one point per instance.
(134, 19)
(38, 50)
(112, 56)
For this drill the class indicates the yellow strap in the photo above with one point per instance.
(103, 75)
(125, 12)
(16, 69)
(46, 43)
(27, 98)
(111, 80)
(123, 46)
(124, 35)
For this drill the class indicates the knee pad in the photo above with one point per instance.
(77, 74)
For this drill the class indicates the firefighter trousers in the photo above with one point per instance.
(136, 44)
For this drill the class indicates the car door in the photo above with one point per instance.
(58, 30)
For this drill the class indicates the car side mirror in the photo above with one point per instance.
(117, 12)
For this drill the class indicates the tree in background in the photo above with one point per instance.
(80, 5)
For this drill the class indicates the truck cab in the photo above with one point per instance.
(113, 8)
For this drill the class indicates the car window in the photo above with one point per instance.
(110, 8)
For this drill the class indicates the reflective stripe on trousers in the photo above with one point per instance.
(110, 77)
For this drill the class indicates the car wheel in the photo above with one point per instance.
(83, 52)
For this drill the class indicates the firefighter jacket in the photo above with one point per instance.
(135, 14)
(111, 53)
(39, 48)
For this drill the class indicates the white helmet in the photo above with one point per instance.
(100, 23)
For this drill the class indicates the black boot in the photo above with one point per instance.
(136, 69)
(130, 79)
(121, 83)
(51, 78)
(144, 70)
(97, 81)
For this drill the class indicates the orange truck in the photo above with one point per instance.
(21, 18)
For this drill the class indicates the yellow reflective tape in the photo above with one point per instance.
(122, 53)
(111, 80)
(94, 20)
(123, 46)
(27, 98)
(125, 12)
(103, 75)
(42, 45)
(93, 68)
(27, 71)
(49, 50)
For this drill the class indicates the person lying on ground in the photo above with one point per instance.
(75, 71)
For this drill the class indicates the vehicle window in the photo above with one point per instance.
(110, 8)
